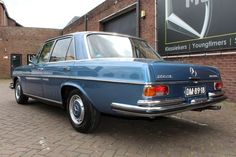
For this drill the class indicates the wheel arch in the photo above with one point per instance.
(66, 88)
(15, 78)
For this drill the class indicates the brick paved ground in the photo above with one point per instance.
(40, 130)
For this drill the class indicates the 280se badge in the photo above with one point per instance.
(90, 73)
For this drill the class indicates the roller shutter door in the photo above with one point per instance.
(124, 24)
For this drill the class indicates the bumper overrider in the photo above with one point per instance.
(154, 108)
(11, 86)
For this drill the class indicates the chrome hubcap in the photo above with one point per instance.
(18, 91)
(76, 109)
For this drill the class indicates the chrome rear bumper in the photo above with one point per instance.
(150, 108)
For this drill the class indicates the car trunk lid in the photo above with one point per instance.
(169, 71)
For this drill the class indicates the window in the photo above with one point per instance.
(143, 50)
(108, 46)
(45, 53)
(60, 49)
(71, 52)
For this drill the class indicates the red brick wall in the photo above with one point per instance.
(11, 22)
(226, 64)
(21, 40)
(147, 24)
(2, 15)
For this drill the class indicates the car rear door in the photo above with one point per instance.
(58, 69)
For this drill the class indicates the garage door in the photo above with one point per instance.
(125, 24)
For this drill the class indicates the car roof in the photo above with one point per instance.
(85, 33)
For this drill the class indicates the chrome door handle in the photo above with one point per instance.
(66, 68)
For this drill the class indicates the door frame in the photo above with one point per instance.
(11, 63)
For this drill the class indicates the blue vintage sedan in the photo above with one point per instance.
(90, 73)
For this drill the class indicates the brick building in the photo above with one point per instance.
(135, 17)
(18, 42)
(5, 19)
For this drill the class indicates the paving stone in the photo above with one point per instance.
(40, 130)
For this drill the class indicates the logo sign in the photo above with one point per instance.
(176, 23)
(195, 26)
(193, 72)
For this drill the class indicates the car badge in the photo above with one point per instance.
(193, 72)
(177, 24)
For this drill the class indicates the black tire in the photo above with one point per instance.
(83, 116)
(19, 96)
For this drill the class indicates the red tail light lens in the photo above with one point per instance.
(218, 85)
(159, 90)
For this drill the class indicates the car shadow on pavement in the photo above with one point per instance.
(160, 126)
(168, 125)
(52, 108)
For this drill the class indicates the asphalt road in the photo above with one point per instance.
(41, 130)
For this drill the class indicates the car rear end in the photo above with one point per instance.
(176, 87)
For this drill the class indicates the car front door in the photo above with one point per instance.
(35, 79)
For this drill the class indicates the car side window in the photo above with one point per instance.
(45, 53)
(71, 52)
(60, 50)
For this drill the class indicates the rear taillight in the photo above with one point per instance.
(157, 90)
(218, 85)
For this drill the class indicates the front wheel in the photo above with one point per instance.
(83, 116)
(19, 96)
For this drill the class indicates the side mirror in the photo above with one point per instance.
(33, 60)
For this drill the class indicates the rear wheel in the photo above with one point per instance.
(19, 96)
(83, 116)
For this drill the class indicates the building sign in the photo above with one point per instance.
(195, 26)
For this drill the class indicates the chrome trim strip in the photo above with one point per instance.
(116, 34)
(45, 79)
(88, 78)
(38, 97)
(181, 82)
(87, 46)
(32, 78)
(152, 103)
(112, 80)
(217, 94)
(126, 107)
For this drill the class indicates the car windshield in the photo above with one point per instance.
(111, 46)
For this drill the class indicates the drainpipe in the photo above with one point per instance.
(156, 45)
(85, 22)
(138, 18)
